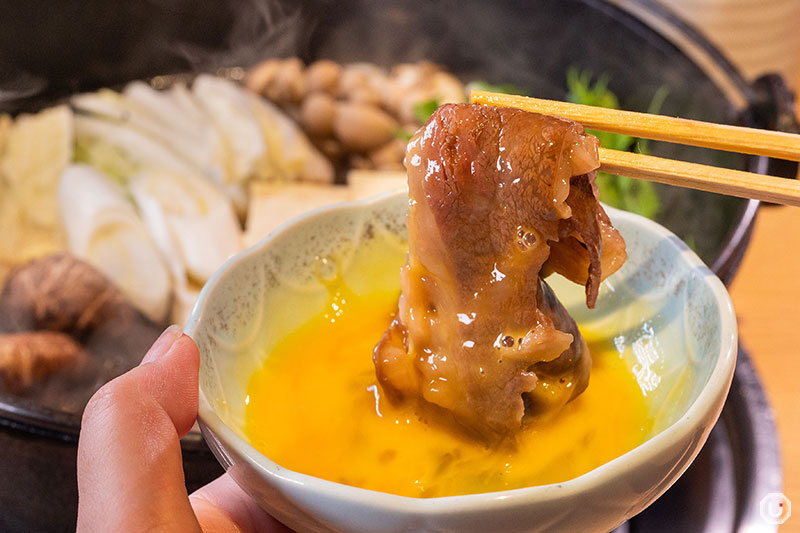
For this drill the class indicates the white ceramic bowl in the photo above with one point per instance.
(670, 316)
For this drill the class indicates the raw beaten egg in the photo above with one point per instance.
(315, 408)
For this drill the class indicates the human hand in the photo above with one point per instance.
(130, 473)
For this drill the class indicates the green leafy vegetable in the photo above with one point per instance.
(110, 160)
(402, 134)
(626, 193)
(424, 110)
(691, 242)
(643, 145)
(505, 88)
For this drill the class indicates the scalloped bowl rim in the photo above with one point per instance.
(717, 385)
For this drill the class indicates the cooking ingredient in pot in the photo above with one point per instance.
(265, 143)
(183, 158)
(224, 104)
(273, 204)
(121, 150)
(636, 196)
(60, 316)
(361, 127)
(214, 129)
(142, 127)
(191, 221)
(60, 293)
(34, 151)
(369, 183)
(360, 115)
(504, 88)
(104, 229)
(497, 197)
(26, 358)
(192, 224)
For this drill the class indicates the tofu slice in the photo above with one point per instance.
(367, 183)
(272, 204)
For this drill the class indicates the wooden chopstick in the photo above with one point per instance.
(703, 177)
(657, 127)
(681, 131)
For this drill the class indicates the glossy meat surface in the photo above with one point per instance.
(496, 195)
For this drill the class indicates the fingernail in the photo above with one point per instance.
(162, 344)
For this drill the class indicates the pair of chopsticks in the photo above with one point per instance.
(677, 130)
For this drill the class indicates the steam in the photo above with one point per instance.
(259, 29)
(158, 37)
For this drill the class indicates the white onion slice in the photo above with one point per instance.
(104, 230)
(140, 148)
(290, 154)
(223, 102)
(192, 220)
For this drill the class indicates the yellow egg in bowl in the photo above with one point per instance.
(290, 406)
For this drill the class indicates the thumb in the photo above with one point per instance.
(130, 473)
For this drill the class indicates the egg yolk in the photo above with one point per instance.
(315, 408)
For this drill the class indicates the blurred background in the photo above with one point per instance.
(760, 36)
